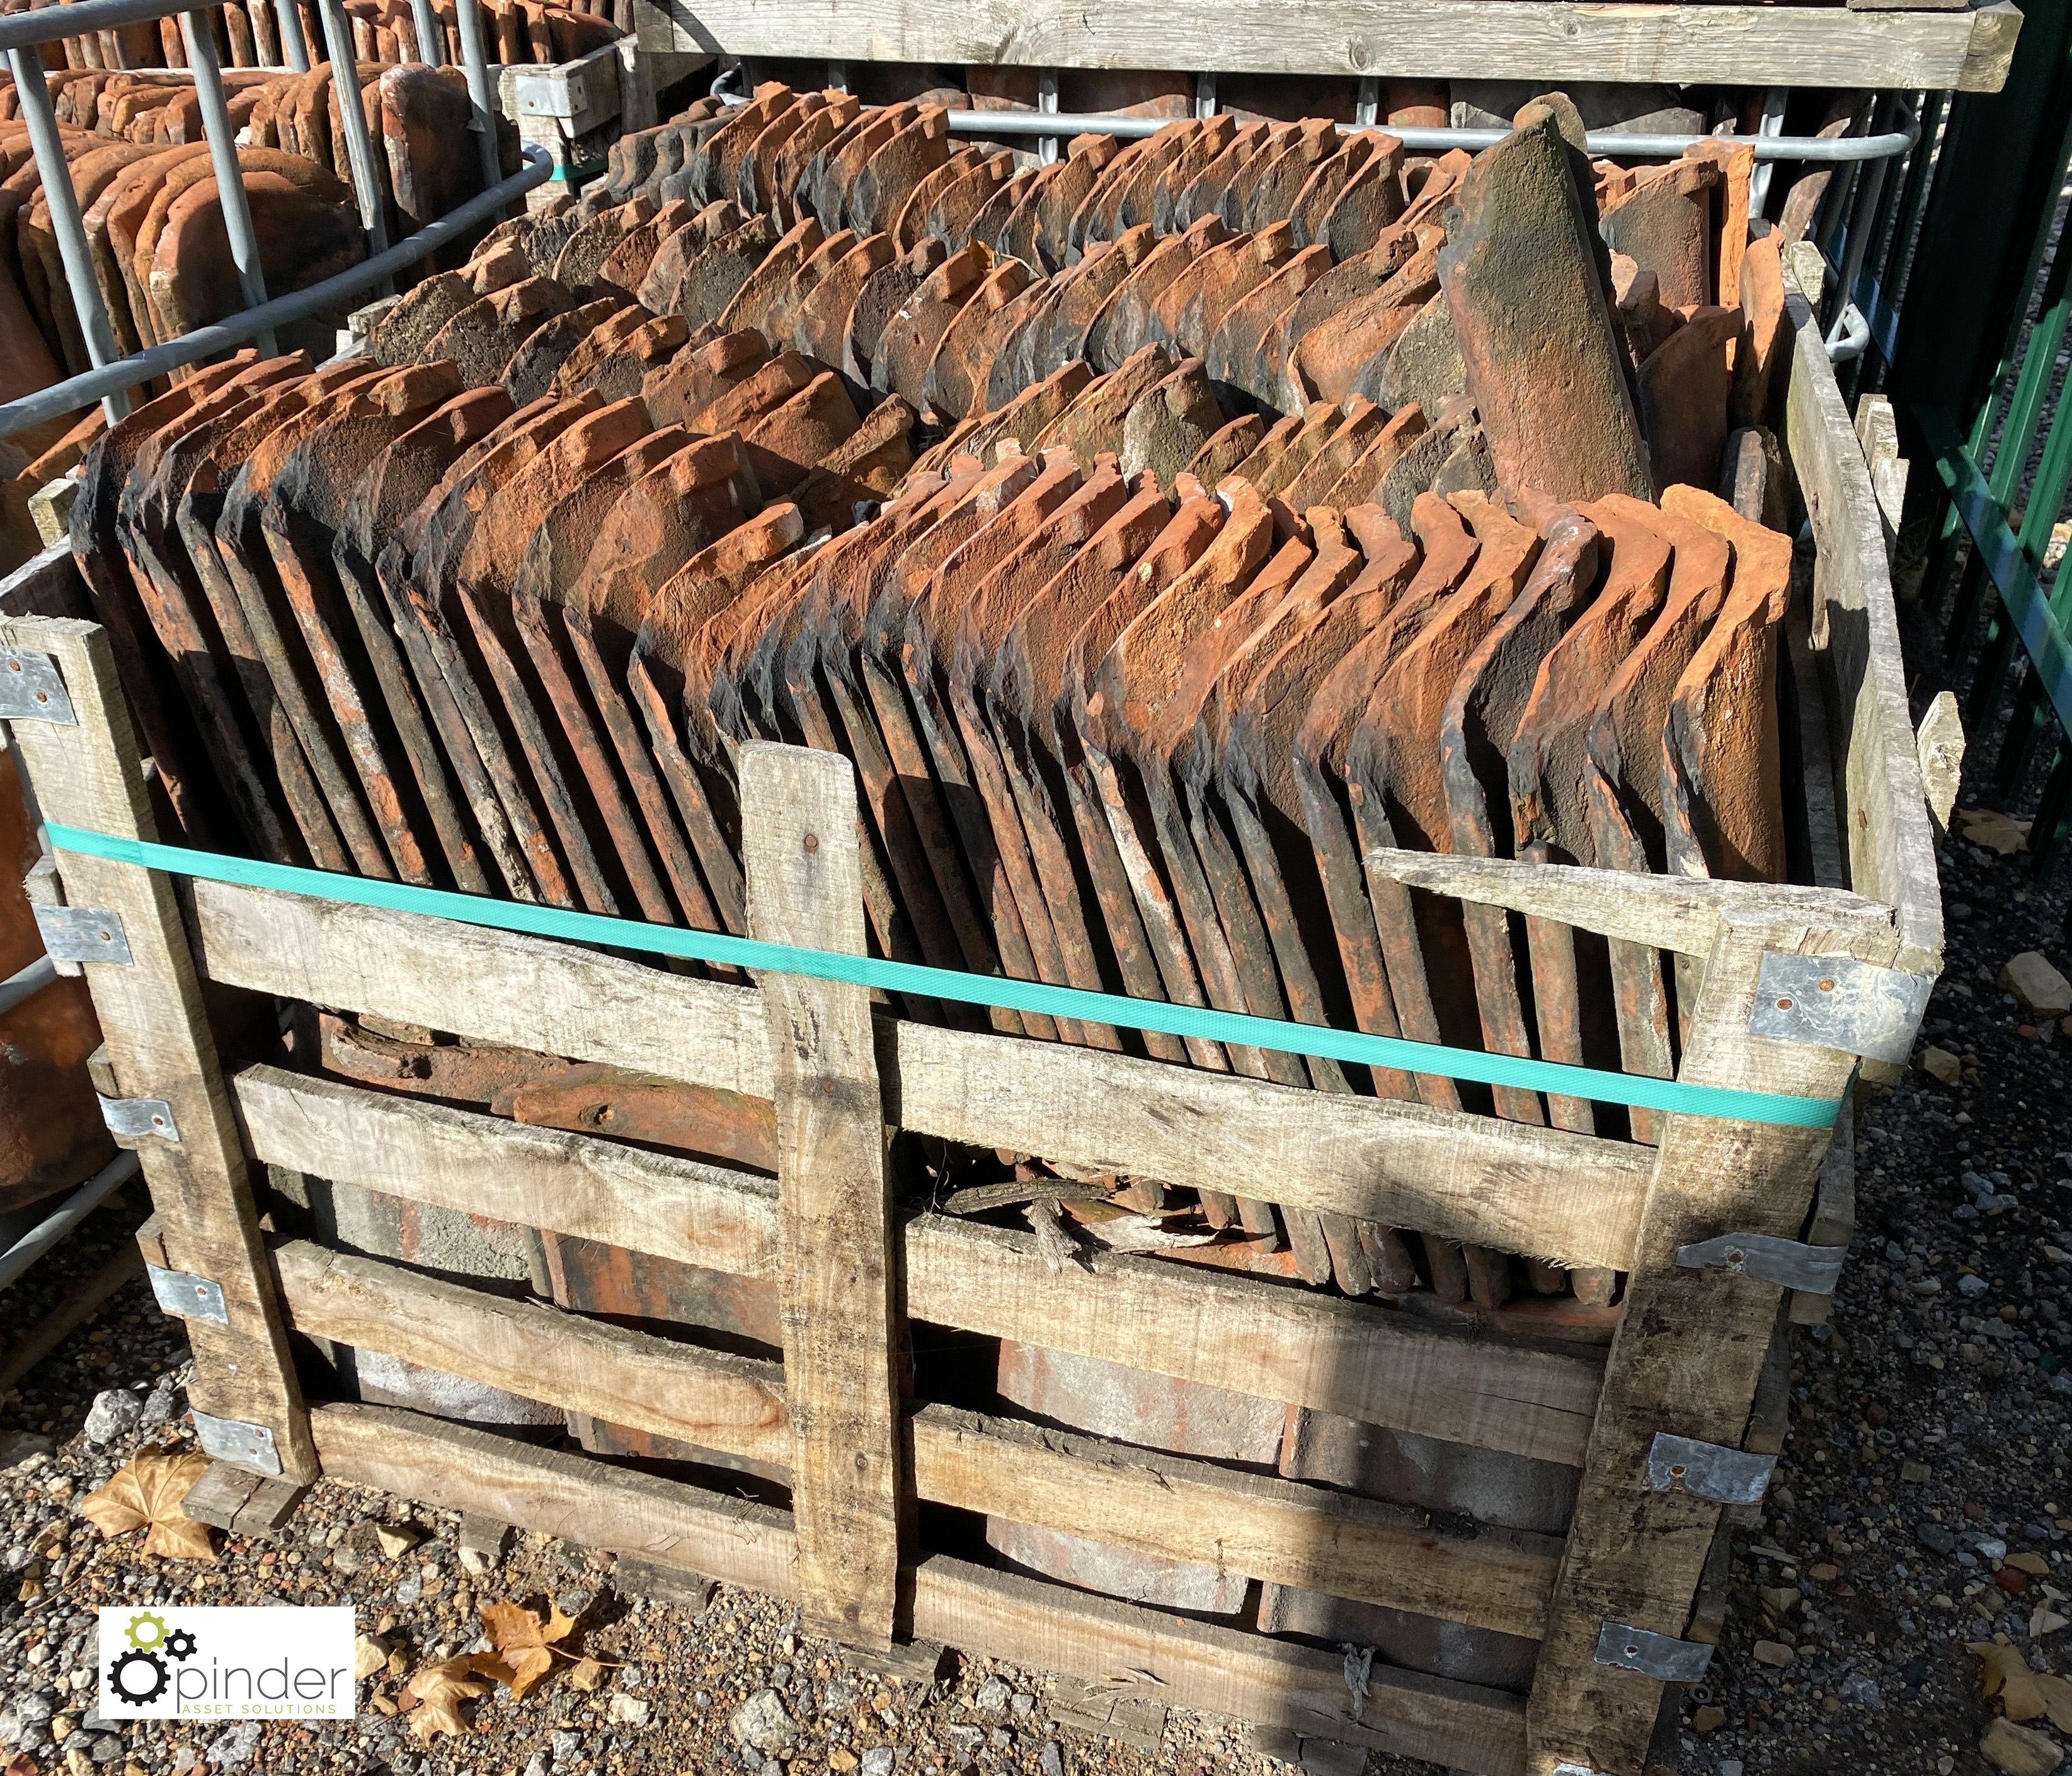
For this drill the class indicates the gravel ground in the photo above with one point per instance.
(1922, 1502)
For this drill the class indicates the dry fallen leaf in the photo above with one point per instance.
(1993, 831)
(2007, 1675)
(149, 1490)
(522, 1641)
(435, 1696)
(588, 1674)
(2056, 1700)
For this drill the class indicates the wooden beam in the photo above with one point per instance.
(850, 1498)
(1685, 1359)
(1378, 1365)
(1196, 1665)
(1360, 1361)
(712, 1398)
(89, 774)
(1677, 913)
(575, 1184)
(1890, 844)
(1433, 39)
(1545, 1193)
(1256, 1524)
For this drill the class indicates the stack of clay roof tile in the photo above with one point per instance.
(248, 34)
(1159, 533)
(147, 186)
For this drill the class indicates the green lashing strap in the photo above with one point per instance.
(973, 989)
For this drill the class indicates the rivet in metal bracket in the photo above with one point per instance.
(139, 1116)
(1834, 1001)
(233, 1440)
(1662, 1657)
(83, 934)
(31, 689)
(1787, 1262)
(1707, 1470)
(186, 1296)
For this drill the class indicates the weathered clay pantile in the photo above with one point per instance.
(1521, 280)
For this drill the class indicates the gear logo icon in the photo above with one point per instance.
(147, 1631)
(180, 1644)
(138, 1676)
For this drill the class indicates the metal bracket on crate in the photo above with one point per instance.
(1660, 1656)
(31, 689)
(83, 934)
(233, 1440)
(1834, 1001)
(1787, 1262)
(187, 1297)
(1707, 1470)
(140, 1117)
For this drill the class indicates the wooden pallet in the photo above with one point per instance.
(1685, 1359)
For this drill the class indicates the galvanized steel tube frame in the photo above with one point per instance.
(32, 95)
(222, 141)
(1810, 149)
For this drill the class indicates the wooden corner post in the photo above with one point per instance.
(1684, 1362)
(836, 1280)
(88, 773)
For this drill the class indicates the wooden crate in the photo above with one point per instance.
(1684, 1360)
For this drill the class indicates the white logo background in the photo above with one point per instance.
(269, 1661)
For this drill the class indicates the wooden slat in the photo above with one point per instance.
(1542, 1192)
(157, 1042)
(1255, 1524)
(1662, 912)
(1236, 1332)
(1222, 1670)
(1440, 40)
(458, 1467)
(712, 1398)
(850, 1497)
(1256, 1337)
(1890, 843)
(1685, 1359)
(48, 584)
(1251, 1523)
(1833, 1222)
(708, 1215)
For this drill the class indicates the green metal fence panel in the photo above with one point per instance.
(1977, 385)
